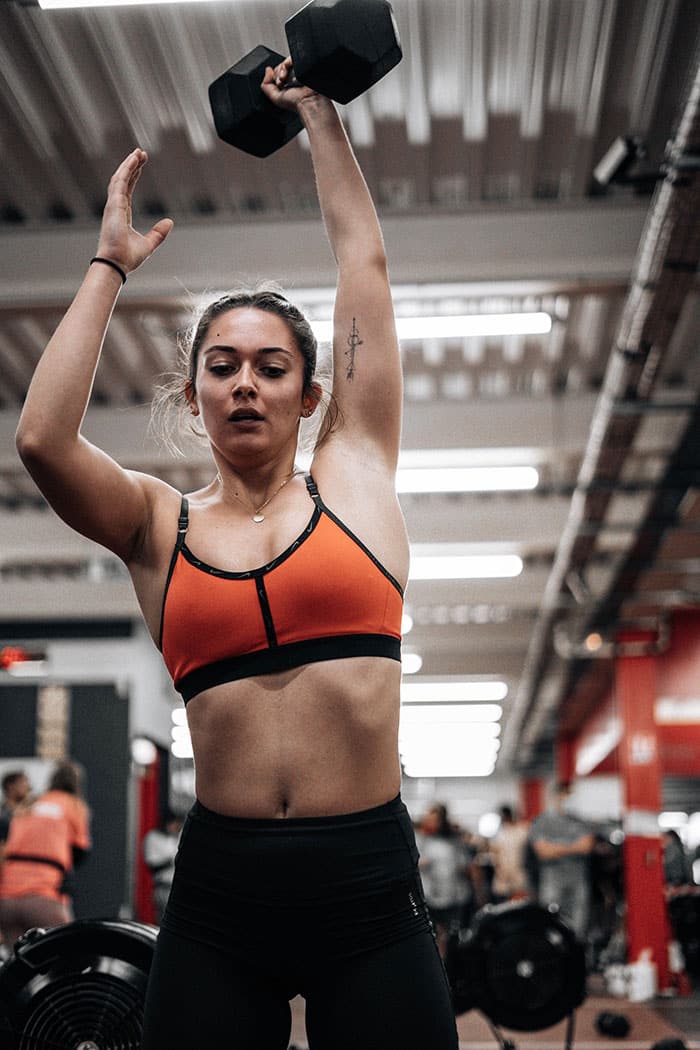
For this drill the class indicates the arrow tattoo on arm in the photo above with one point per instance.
(353, 342)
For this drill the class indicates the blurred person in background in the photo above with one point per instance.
(46, 841)
(563, 844)
(510, 880)
(16, 790)
(159, 850)
(677, 867)
(444, 868)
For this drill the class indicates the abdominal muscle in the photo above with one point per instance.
(319, 740)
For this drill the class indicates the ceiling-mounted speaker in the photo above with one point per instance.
(519, 964)
(78, 985)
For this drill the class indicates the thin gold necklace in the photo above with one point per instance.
(257, 516)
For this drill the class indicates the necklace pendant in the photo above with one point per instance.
(257, 518)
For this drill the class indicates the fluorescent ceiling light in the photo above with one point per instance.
(466, 768)
(463, 566)
(435, 691)
(466, 479)
(476, 741)
(181, 749)
(672, 819)
(461, 741)
(458, 326)
(441, 746)
(411, 663)
(27, 669)
(53, 5)
(507, 456)
(424, 714)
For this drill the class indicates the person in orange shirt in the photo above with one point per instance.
(45, 843)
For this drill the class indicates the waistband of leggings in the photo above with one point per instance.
(390, 809)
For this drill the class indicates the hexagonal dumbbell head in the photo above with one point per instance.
(243, 116)
(341, 47)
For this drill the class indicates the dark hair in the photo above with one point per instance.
(506, 813)
(267, 296)
(444, 828)
(11, 778)
(68, 777)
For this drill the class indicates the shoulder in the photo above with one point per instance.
(163, 504)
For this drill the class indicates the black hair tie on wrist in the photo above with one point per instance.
(108, 262)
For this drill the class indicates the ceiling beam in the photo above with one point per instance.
(590, 242)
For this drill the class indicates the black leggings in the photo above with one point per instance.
(329, 908)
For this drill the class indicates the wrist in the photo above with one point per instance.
(109, 264)
(315, 107)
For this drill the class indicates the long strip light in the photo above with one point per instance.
(459, 768)
(474, 715)
(431, 691)
(53, 5)
(28, 669)
(459, 326)
(463, 566)
(466, 479)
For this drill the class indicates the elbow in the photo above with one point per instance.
(31, 445)
(38, 447)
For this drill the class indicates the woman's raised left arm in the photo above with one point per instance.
(367, 369)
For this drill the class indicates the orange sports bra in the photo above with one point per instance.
(326, 597)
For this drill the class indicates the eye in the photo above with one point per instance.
(273, 371)
(222, 369)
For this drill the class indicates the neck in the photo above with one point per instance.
(255, 489)
(256, 480)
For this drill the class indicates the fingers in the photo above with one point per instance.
(157, 234)
(281, 72)
(125, 177)
(278, 75)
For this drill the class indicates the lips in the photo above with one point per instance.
(245, 415)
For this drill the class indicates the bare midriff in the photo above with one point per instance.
(319, 740)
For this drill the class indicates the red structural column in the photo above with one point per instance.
(640, 769)
(531, 798)
(148, 817)
(565, 756)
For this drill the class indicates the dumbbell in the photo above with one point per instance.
(340, 48)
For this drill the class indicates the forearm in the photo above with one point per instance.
(549, 850)
(60, 389)
(346, 205)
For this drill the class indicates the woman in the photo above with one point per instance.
(280, 625)
(445, 872)
(44, 844)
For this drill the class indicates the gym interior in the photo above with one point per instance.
(535, 165)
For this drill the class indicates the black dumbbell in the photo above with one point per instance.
(340, 48)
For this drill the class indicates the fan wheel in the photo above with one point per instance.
(520, 964)
(81, 986)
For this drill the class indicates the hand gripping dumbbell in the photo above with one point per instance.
(338, 47)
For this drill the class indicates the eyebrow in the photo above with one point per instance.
(219, 347)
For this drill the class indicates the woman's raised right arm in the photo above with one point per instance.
(85, 487)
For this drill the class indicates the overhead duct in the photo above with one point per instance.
(663, 273)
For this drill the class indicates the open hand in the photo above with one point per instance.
(274, 86)
(119, 241)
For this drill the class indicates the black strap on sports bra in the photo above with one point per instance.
(313, 491)
(182, 523)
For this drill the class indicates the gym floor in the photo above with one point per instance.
(661, 1018)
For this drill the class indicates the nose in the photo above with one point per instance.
(244, 384)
